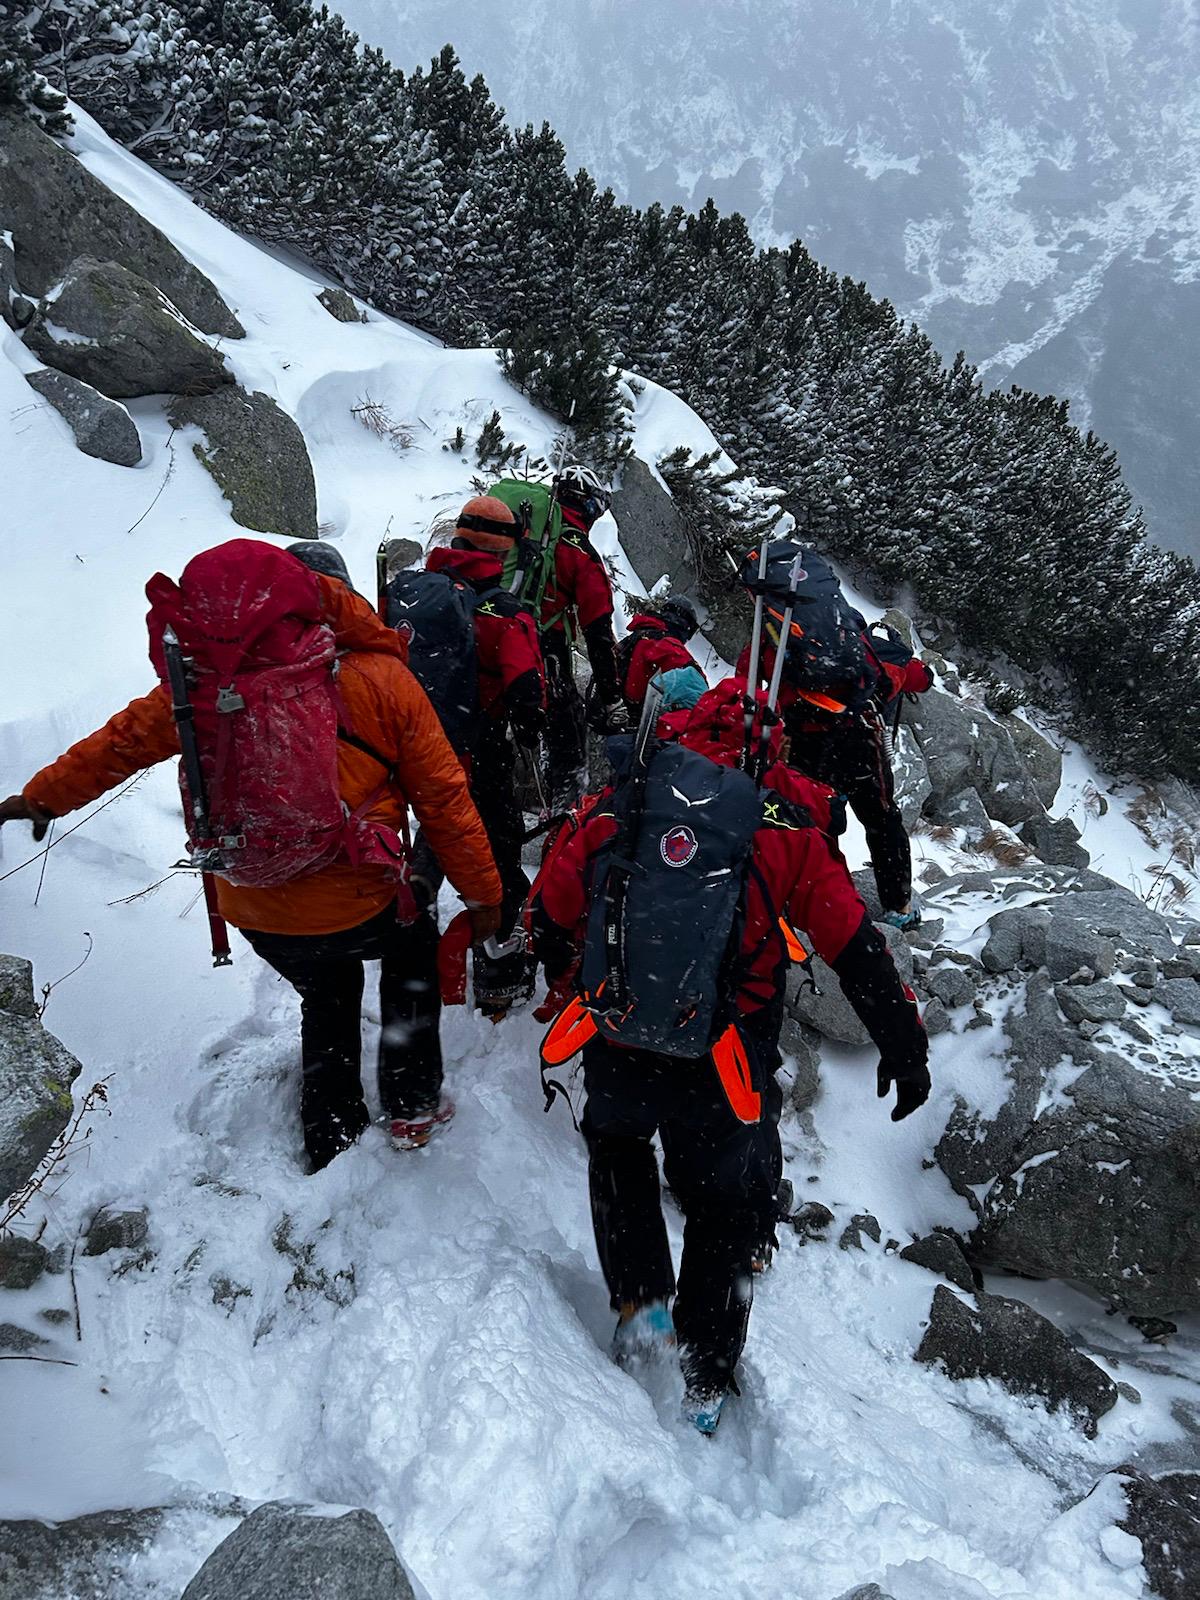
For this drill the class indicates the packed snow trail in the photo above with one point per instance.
(426, 1335)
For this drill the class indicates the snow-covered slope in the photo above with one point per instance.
(1019, 176)
(426, 1335)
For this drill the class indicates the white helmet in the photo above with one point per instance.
(582, 490)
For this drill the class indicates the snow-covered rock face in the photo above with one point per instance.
(1018, 176)
(1086, 1170)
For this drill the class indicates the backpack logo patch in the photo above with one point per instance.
(678, 846)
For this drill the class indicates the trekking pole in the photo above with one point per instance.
(755, 653)
(381, 580)
(621, 866)
(770, 713)
(193, 775)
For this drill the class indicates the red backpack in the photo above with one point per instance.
(261, 682)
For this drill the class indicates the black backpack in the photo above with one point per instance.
(436, 614)
(660, 938)
(826, 659)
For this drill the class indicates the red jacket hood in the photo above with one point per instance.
(647, 623)
(472, 566)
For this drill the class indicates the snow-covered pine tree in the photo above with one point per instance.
(23, 88)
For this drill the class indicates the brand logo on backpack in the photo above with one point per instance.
(678, 846)
(406, 632)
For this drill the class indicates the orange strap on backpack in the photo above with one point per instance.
(568, 1033)
(733, 1069)
(797, 954)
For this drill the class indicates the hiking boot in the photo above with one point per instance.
(414, 1133)
(648, 1333)
(904, 920)
(703, 1410)
(762, 1258)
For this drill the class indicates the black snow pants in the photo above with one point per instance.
(566, 741)
(724, 1173)
(326, 970)
(854, 761)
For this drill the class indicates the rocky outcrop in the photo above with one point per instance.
(283, 1551)
(938, 1252)
(87, 1558)
(36, 1074)
(116, 331)
(102, 427)
(966, 748)
(1086, 1170)
(57, 212)
(653, 534)
(22, 1262)
(911, 774)
(257, 455)
(342, 306)
(993, 1337)
(1043, 760)
(114, 1229)
(1164, 1514)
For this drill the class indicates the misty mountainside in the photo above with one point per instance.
(1018, 176)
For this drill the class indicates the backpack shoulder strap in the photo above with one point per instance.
(352, 739)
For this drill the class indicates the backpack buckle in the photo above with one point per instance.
(228, 699)
(232, 841)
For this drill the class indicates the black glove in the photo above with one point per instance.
(611, 718)
(912, 1084)
(528, 727)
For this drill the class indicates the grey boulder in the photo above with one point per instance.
(951, 984)
(1181, 996)
(1164, 1514)
(87, 1558)
(1006, 1340)
(1090, 1002)
(36, 1074)
(966, 748)
(116, 331)
(22, 1262)
(283, 1551)
(1043, 760)
(799, 1046)
(341, 306)
(938, 1252)
(1016, 938)
(112, 1229)
(1054, 841)
(911, 774)
(102, 427)
(57, 211)
(257, 455)
(964, 810)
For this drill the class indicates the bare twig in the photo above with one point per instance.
(52, 1361)
(62, 1147)
(167, 476)
(104, 804)
(49, 988)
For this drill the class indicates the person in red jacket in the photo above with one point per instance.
(656, 641)
(578, 597)
(512, 697)
(722, 1169)
(317, 929)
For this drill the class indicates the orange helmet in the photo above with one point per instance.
(487, 523)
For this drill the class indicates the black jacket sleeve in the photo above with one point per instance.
(886, 1007)
(602, 655)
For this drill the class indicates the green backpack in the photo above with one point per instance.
(536, 508)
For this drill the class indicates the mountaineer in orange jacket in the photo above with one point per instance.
(317, 928)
